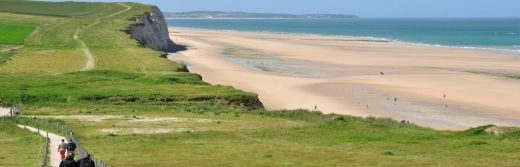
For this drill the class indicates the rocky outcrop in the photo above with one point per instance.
(151, 30)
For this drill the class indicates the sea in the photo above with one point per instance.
(502, 35)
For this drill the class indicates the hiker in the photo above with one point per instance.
(62, 148)
(69, 161)
(86, 162)
(71, 146)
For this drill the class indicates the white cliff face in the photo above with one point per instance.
(151, 30)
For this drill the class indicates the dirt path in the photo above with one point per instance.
(55, 140)
(4, 111)
(90, 64)
(13, 48)
(53, 145)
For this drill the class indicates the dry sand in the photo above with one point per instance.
(342, 75)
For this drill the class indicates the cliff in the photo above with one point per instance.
(151, 30)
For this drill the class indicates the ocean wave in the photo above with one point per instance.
(499, 50)
(507, 50)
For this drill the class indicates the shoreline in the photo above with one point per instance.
(416, 75)
(504, 52)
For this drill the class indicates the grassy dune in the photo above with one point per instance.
(19, 147)
(136, 109)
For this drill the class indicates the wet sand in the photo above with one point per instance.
(442, 88)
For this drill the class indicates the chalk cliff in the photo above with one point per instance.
(151, 30)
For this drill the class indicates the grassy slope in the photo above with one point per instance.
(111, 86)
(52, 49)
(14, 34)
(62, 9)
(19, 147)
(231, 136)
(133, 85)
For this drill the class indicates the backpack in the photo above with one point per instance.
(71, 146)
(86, 162)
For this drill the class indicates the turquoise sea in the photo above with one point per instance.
(491, 34)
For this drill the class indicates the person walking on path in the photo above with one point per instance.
(86, 162)
(69, 161)
(71, 146)
(62, 148)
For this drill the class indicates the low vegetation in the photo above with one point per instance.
(19, 147)
(112, 86)
(61, 9)
(14, 34)
(206, 134)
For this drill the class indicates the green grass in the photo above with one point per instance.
(19, 147)
(61, 9)
(14, 34)
(111, 86)
(234, 136)
(5, 56)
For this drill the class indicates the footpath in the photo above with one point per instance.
(53, 138)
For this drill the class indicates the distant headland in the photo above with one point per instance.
(246, 15)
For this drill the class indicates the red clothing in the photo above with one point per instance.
(62, 154)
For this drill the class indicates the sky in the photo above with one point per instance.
(362, 8)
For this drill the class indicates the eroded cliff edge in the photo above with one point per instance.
(151, 30)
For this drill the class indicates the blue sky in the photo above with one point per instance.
(363, 8)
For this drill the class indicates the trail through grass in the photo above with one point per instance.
(19, 147)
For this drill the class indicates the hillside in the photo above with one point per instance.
(245, 15)
(136, 108)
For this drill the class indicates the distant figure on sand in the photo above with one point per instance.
(62, 148)
(71, 146)
(315, 107)
(382, 73)
(69, 161)
(86, 162)
(395, 100)
(444, 95)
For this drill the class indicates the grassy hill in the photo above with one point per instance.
(136, 109)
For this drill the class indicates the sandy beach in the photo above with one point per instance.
(442, 88)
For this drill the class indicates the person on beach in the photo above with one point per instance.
(62, 148)
(69, 161)
(86, 162)
(71, 146)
